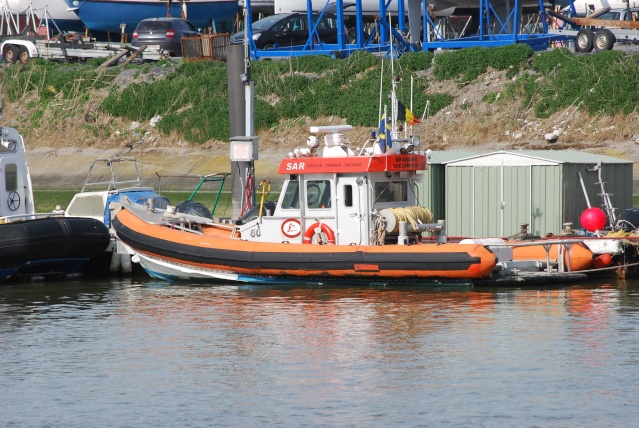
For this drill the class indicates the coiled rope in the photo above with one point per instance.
(413, 215)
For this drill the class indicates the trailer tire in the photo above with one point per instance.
(604, 40)
(23, 55)
(583, 41)
(10, 54)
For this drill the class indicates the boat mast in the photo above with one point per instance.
(393, 97)
(246, 77)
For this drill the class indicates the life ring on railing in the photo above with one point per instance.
(323, 229)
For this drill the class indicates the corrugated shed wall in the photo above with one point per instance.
(516, 197)
(486, 208)
(431, 191)
(493, 195)
(459, 201)
(531, 195)
(546, 200)
(617, 180)
(470, 209)
(574, 202)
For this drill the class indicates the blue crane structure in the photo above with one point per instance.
(495, 28)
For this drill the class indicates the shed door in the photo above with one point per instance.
(516, 199)
(501, 200)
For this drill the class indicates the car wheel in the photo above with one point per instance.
(268, 46)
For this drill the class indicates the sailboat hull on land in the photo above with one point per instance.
(110, 15)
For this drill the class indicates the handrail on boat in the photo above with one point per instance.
(33, 216)
(113, 184)
(214, 177)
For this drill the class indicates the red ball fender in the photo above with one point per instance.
(330, 235)
(602, 261)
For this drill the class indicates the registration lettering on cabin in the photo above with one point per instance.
(295, 166)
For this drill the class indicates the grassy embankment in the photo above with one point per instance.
(192, 98)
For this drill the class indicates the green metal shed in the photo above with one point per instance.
(494, 194)
(431, 191)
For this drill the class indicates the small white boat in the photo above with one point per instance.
(112, 180)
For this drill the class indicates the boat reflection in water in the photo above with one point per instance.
(230, 355)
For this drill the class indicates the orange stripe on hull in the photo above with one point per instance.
(219, 238)
(364, 268)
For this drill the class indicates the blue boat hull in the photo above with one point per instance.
(108, 15)
(66, 25)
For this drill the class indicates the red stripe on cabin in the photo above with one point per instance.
(407, 162)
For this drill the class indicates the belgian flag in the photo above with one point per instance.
(406, 115)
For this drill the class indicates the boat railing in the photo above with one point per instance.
(22, 217)
(215, 178)
(113, 183)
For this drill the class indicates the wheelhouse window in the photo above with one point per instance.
(391, 191)
(318, 194)
(11, 177)
(348, 195)
(291, 199)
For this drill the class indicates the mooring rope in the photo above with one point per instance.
(413, 215)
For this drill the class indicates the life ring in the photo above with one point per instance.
(323, 227)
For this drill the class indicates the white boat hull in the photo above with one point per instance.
(175, 271)
(605, 246)
(57, 10)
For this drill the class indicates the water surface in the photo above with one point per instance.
(136, 352)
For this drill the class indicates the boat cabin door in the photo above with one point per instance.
(352, 210)
(16, 195)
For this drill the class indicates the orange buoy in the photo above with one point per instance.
(602, 261)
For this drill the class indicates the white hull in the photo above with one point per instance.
(605, 246)
(586, 7)
(175, 271)
(57, 8)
